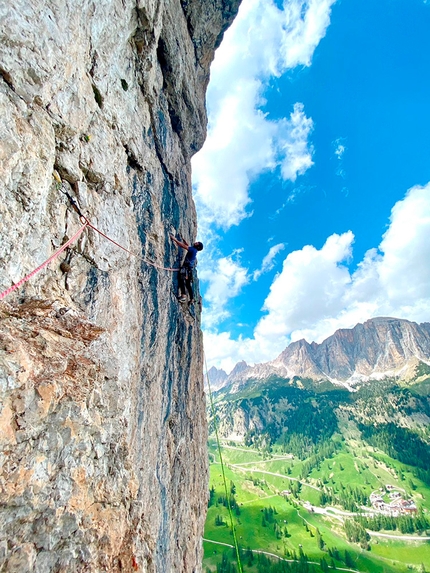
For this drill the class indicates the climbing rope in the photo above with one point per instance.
(39, 268)
(227, 496)
(126, 250)
(85, 223)
(83, 218)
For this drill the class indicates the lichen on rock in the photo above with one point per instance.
(102, 421)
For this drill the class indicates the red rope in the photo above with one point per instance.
(159, 266)
(106, 237)
(86, 223)
(51, 258)
(126, 250)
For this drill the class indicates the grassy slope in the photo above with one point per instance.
(385, 556)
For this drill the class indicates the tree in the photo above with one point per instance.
(211, 500)
(355, 532)
(263, 521)
(226, 566)
(320, 541)
(349, 562)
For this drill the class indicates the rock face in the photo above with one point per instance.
(378, 348)
(102, 422)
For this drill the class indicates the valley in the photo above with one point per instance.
(322, 478)
(270, 519)
(326, 455)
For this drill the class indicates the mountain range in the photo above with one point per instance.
(377, 349)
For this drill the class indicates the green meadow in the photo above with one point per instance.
(267, 518)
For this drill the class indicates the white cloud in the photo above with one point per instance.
(237, 148)
(305, 23)
(242, 142)
(315, 293)
(311, 282)
(225, 277)
(339, 147)
(340, 150)
(224, 352)
(269, 260)
(223, 170)
(295, 151)
(404, 270)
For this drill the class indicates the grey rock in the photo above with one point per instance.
(102, 421)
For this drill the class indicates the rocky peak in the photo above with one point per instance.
(380, 345)
(217, 377)
(239, 369)
(295, 350)
(378, 348)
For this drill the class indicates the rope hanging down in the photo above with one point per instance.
(86, 223)
(233, 528)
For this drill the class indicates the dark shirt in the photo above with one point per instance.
(191, 258)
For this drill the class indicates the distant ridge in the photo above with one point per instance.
(377, 349)
(217, 378)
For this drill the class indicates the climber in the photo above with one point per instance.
(185, 275)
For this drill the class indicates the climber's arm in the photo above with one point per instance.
(182, 243)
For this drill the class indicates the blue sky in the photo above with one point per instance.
(312, 187)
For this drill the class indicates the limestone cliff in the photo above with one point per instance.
(102, 423)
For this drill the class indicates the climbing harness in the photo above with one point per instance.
(85, 223)
(233, 528)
